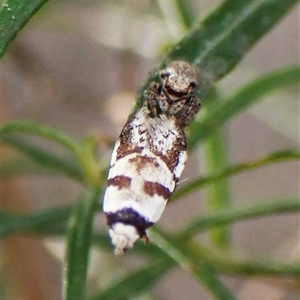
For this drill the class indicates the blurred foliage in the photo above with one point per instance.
(215, 46)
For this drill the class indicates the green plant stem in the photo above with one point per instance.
(43, 157)
(90, 164)
(41, 131)
(191, 255)
(22, 166)
(136, 282)
(225, 263)
(192, 264)
(239, 101)
(218, 193)
(278, 156)
(84, 153)
(12, 223)
(233, 214)
(78, 245)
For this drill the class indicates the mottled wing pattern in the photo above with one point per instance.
(150, 156)
(147, 162)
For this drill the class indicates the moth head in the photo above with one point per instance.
(178, 78)
(123, 236)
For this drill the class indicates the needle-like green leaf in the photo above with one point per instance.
(195, 184)
(192, 264)
(49, 160)
(136, 282)
(14, 15)
(235, 214)
(43, 131)
(239, 101)
(220, 41)
(18, 223)
(78, 246)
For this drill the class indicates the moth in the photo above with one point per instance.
(149, 156)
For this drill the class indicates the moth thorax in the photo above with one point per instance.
(123, 236)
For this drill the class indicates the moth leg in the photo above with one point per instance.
(156, 100)
(188, 111)
(177, 105)
(146, 239)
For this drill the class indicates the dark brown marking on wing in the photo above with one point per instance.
(124, 151)
(154, 188)
(143, 161)
(119, 181)
(170, 158)
(126, 147)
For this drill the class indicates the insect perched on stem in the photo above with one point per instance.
(149, 156)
